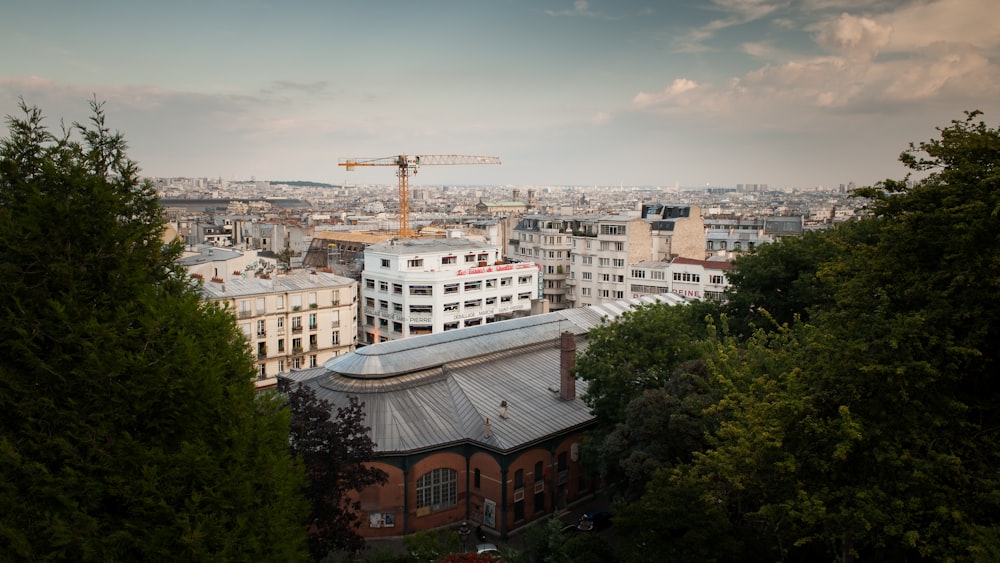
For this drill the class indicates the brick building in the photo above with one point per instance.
(481, 425)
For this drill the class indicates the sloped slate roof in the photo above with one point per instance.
(441, 389)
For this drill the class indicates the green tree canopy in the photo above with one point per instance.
(129, 426)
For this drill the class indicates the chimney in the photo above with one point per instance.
(567, 360)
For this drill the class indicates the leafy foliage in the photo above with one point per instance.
(334, 452)
(130, 426)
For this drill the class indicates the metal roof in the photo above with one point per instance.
(279, 283)
(425, 392)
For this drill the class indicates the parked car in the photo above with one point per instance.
(595, 520)
(487, 548)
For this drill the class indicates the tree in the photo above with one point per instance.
(638, 351)
(663, 427)
(130, 426)
(334, 452)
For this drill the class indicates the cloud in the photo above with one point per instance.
(854, 36)
(937, 52)
(737, 12)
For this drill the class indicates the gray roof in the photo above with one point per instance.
(409, 246)
(425, 392)
(284, 283)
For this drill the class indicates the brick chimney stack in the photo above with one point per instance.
(567, 360)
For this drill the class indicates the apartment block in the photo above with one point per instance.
(694, 279)
(548, 241)
(291, 321)
(603, 247)
(416, 287)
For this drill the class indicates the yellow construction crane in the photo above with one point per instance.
(404, 165)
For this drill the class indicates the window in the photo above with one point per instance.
(639, 274)
(585, 291)
(588, 260)
(491, 300)
(476, 478)
(281, 301)
(397, 307)
(451, 306)
(397, 288)
(312, 361)
(451, 326)
(296, 324)
(717, 279)
(506, 298)
(260, 306)
(335, 298)
(296, 345)
(588, 275)
(369, 283)
(421, 290)
(397, 326)
(538, 472)
(519, 479)
(450, 288)
(335, 339)
(281, 344)
(421, 309)
(523, 279)
(524, 295)
(656, 275)
(385, 262)
(449, 260)
(383, 304)
(470, 258)
(312, 300)
(605, 277)
(604, 261)
(261, 331)
(612, 229)
(618, 262)
(491, 283)
(473, 285)
(370, 302)
(415, 262)
(473, 303)
(383, 286)
(504, 282)
(281, 322)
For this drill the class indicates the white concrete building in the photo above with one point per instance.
(292, 321)
(694, 279)
(415, 286)
(209, 262)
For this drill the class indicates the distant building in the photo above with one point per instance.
(292, 321)
(415, 286)
(483, 425)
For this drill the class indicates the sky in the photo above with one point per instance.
(692, 93)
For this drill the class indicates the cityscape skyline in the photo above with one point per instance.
(790, 94)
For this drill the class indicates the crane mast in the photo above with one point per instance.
(405, 164)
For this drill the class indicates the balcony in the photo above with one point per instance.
(261, 334)
(313, 327)
(297, 329)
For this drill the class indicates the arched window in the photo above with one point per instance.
(438, 489)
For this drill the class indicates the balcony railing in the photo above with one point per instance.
(297, 329)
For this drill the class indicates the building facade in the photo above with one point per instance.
(693, 279)
(291, 321)
(415, 287)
